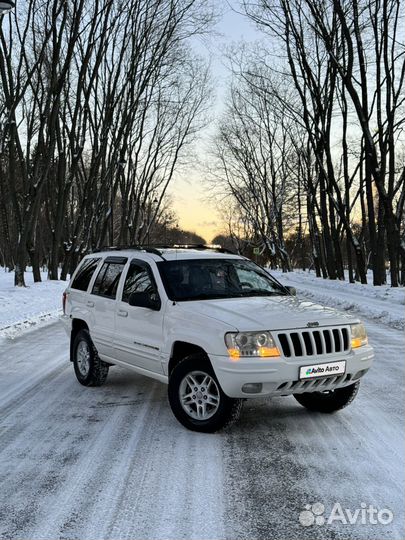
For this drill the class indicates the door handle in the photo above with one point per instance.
(122, 313)
(90, 303)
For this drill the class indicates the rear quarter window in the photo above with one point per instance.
(107, 280)
(84, 274)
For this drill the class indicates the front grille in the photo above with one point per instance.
(314, 342)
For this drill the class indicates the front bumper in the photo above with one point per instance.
(280, 376)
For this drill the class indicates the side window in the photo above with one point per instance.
(108, 278)
(252, 280)
(84, 275)
(138, 280)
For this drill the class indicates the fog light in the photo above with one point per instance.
(252, 388)
(360, 374)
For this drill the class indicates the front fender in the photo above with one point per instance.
(200, 330)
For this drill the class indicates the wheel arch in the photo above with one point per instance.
(181, 349)
(77, 325)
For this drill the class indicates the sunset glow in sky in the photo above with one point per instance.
(190, 191)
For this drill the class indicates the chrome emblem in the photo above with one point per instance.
(313, 324)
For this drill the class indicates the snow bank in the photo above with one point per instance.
(38, 303)
(23, 308)
(382, 304)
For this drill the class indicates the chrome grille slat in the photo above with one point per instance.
(290, 344)
(336, 340)
(310, 342)
(301, 339)
(332, 341)
(323, 342)
(311, 337)
(340, 334)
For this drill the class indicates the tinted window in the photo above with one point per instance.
(196, 279)
(138, 280)
(84, 275)
(251, 280)
(107, 280)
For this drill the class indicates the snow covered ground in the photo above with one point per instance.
(113, 463)
(383, 304)
(22, 308)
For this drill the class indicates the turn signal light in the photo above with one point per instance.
(234, 354)
(268, 351)
(359, 342)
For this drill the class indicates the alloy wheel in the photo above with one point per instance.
(199, 395)
(83, 358)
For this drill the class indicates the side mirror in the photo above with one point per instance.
(149, 300)
(291, 290)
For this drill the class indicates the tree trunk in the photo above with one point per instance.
(403, 265)
(380, 261)
(35, 263)
(20, 265)
(327, 240)
(393, 245)
(349, 259)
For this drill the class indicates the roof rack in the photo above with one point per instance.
(156, 249)
(202, 247)
(148, 249)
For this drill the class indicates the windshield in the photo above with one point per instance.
(198, 279)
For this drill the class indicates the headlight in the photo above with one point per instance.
(260, 344)
(359, 335)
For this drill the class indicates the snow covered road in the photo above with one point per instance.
(112, 462)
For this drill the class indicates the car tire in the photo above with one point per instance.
(89, 369)
(329, 402)
(206, 409)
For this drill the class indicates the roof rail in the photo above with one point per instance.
(211, 247)
(156, 249)
(148, 249)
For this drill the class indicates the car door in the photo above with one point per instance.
(138, 331)
(102, 302)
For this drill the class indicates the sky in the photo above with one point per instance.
(190, 190)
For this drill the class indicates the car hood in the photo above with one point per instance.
(267, 312)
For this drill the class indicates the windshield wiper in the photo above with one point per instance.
(263, 292)
(239, 294)
(203, 296)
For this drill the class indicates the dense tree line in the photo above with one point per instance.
(99, 103)
(311, 146)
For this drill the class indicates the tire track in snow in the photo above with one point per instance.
(112, 462)
(88, 462)
(30, 364)
(284, 457)
(178, 486)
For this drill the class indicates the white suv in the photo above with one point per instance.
(214, 326)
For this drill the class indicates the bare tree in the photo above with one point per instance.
(346, 60)
(253, 149)
(99, 104)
